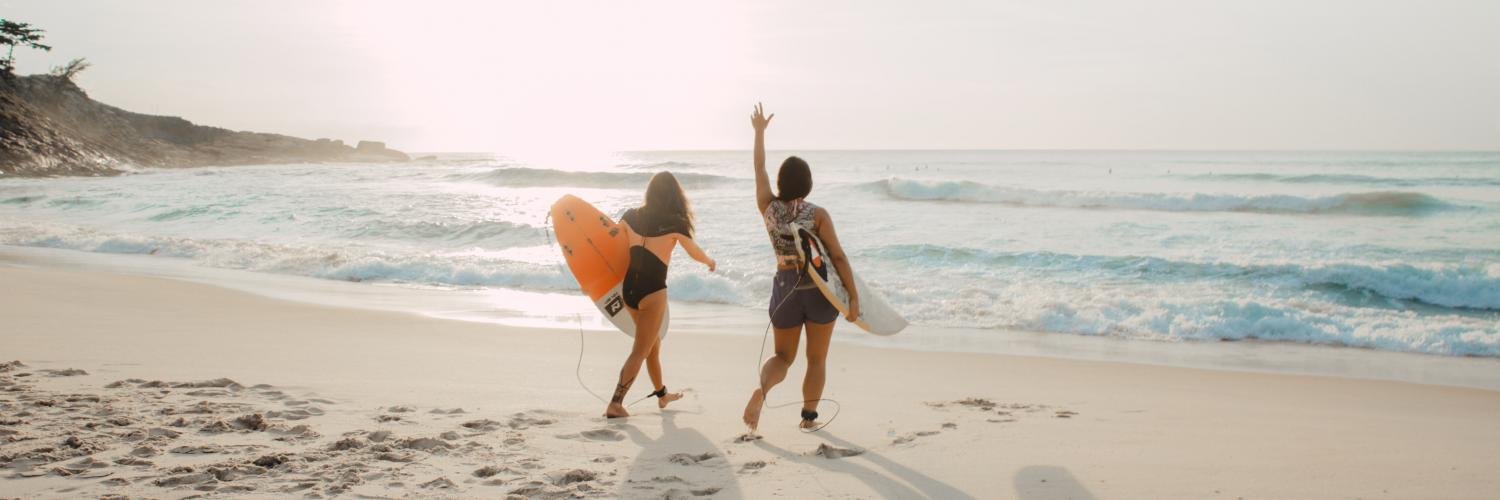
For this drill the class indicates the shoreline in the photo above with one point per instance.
(1044, 428)
(480, 306)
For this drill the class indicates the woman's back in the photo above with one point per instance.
(780, 213)
(653, 232)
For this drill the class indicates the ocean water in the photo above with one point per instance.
(1390, 251)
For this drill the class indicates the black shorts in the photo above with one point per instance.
(794, 301)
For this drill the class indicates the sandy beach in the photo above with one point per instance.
(142, 386)
(379, 250)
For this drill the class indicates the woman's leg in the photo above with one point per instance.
(819, 335)
(647, 321)
(653, 368)
(773, 372)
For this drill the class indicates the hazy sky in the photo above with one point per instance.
(551, 76)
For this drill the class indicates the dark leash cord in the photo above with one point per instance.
(805, 413)
(578, 367)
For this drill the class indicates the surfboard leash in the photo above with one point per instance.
(578, 367)
(759, 360)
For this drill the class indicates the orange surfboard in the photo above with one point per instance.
(598, 253)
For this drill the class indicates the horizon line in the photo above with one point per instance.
(1012, 150)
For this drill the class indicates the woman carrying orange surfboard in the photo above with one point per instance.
(653, 230)
(796, 303)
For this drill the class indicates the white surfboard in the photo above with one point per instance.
(875, 314)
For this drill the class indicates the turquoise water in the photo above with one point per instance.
(1392, 251)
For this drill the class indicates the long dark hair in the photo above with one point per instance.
(666, 202)
(794, 180)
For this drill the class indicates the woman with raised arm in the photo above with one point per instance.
(654, 229)
(796, 303)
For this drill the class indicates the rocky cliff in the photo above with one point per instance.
(49, 126)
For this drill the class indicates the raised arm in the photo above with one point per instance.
(760, 121)
(695, 251)
(840, 261)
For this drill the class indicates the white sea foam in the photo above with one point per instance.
(1162, 246)
(1356, 179)
(1472, 286)
(529, 177)
(1364, 203)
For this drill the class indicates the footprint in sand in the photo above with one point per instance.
(441, 483)
(680, 494)
(209, 393)
(198, 450)
(297, 414)
(134, 462)
(492, 470)
(522, 421)
(483, 425)
(348, 443)
(539, 489)
(424, 444)
(564, 478)
(691, 459)
(603, 435)
(752, 467)
(914, 435)
(391, 456)
(826, 451)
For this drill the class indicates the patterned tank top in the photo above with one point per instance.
(780, 213)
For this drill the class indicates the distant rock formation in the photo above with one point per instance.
(49, 126)
(377, 151)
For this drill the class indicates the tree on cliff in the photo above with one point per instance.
(13, 33)
(71, 69)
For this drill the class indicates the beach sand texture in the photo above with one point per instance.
(138, 386)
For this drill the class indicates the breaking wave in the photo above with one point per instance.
(1368, 180)
(543, 177)
(1391, 203)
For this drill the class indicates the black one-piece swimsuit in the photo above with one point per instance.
(645, 276)
(646, 273)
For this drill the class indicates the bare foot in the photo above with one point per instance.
(661, 402)
(808, 424)
(752, 409)
(616, 410)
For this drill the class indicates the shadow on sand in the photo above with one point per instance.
(887, 478)
(1038, 482)
(678, 459)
